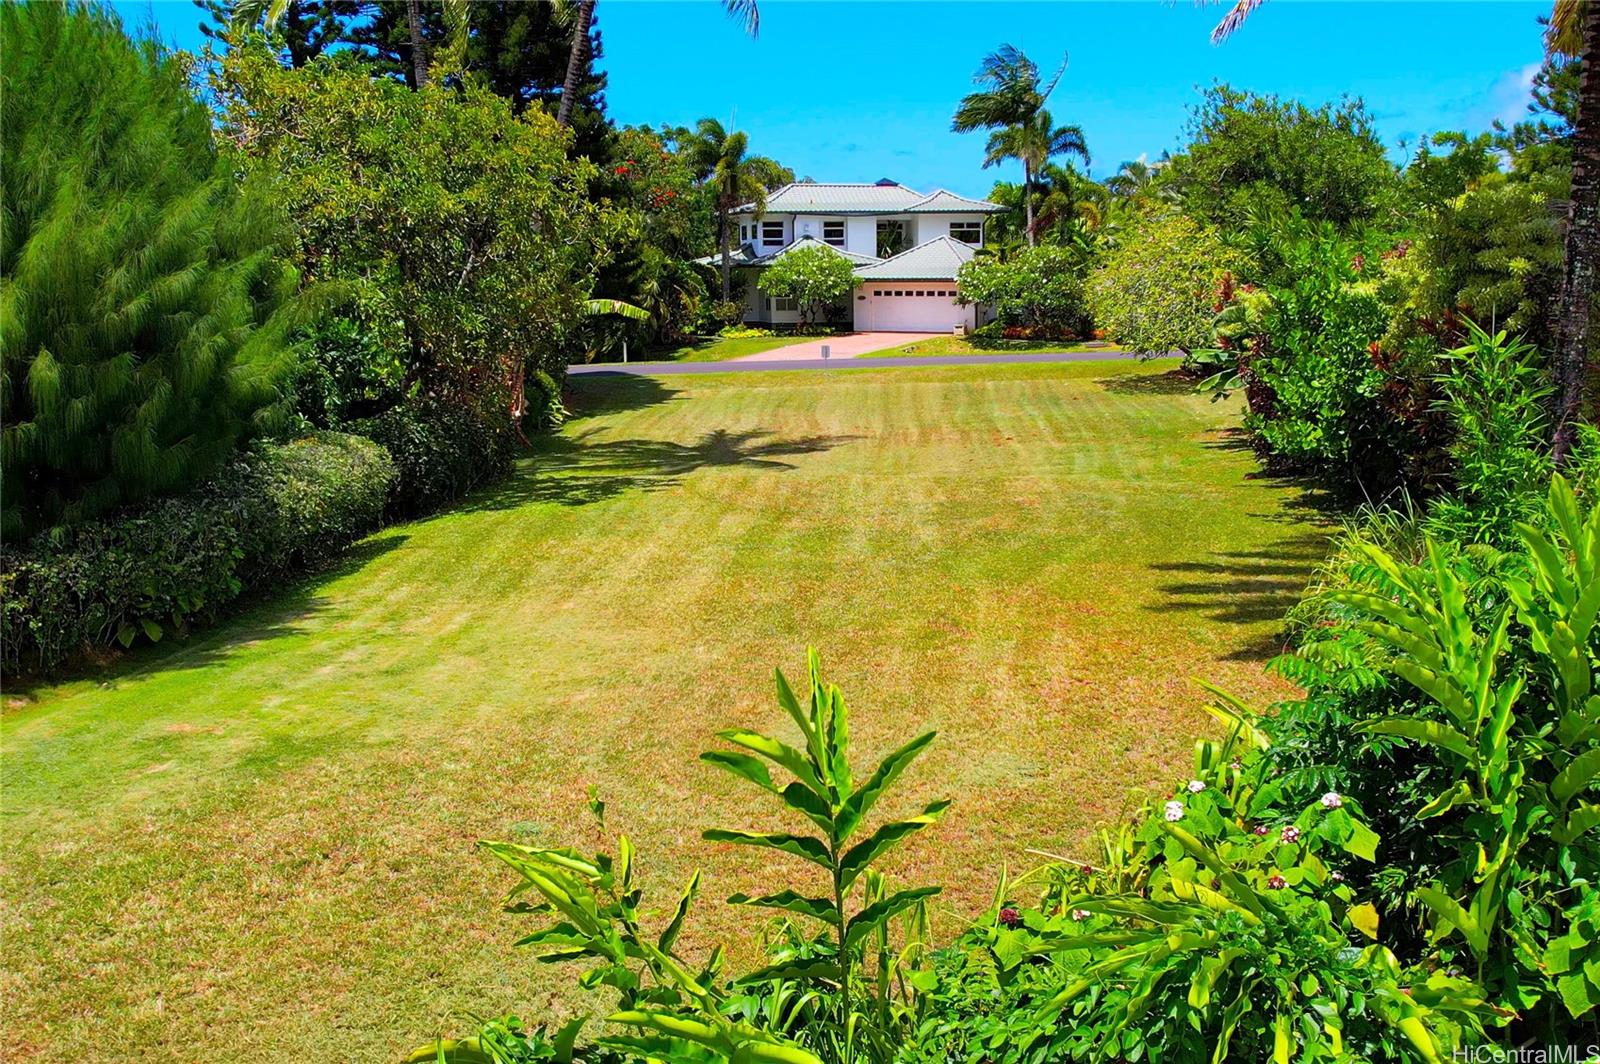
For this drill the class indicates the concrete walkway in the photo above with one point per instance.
(745, 365)
(838, 346)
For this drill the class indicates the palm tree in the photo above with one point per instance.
(735, 179)
(746, 11)
(1012, 107)
(1034, 142)
(1574, 32)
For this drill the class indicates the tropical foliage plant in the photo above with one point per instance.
(840, 983)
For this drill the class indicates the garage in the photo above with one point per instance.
(910, 306)
(914, 291)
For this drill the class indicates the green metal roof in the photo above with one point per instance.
(745, 255)
(936, 260)
(946, 202)
(813, 197)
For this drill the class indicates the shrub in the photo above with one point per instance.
(146, 307)
(1494, 393)
(156, 570)
(1224, 924)
(1156, 290)
(440, 452)
(1323, 398)
(728, 313)
(1039, 287)
(816, 278)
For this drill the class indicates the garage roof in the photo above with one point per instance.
(745, 255)
(936, 260)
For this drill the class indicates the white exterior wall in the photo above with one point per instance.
(861, 234)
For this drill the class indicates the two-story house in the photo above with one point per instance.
(906, 247)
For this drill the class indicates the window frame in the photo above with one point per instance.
(775, 241)
(779, 301)
(975, 228)
(843, 228)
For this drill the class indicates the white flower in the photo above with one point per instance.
(1331, 800)
(1080, 914)
(1174, 810)
(1338, 877)
(1196, 786)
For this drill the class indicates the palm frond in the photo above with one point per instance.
(1234, 19)
(745, 11)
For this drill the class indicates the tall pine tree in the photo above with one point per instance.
(145, 310)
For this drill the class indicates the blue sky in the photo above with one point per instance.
(850, 91)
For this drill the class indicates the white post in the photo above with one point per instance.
(624, 349)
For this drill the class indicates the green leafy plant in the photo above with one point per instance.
(1038, 288)
(1494, 392)
(841, 995)
(861, 1014)
(1523, 746)
(1221, 925)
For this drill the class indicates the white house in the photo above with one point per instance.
(906, 247)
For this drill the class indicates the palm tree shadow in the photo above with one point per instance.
(1245, 587)
(1172, 382)
(576, 469)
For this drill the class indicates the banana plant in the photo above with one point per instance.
(856, 909)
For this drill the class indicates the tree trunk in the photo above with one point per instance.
(575, 61)
(1573, 365)
(1027, 198)
(724, 231)
(419, 48)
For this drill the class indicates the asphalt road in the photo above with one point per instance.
(663, 369)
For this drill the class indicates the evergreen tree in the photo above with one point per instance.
(144, 309)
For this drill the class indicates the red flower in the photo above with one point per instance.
(1010, 917)
(1277, 882)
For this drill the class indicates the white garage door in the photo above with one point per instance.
(913, 306)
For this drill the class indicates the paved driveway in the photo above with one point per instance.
(838, 346)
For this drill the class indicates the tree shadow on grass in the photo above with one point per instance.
(576, 469)
(1170, 383)
(1246, 587)
(267, 612)
(604, 393)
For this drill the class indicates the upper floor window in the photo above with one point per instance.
(967, 232)
(833, 233)
(772, 234)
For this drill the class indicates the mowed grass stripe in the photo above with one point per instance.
(259, 843)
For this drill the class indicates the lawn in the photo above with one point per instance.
(966, 345)
(258, 845)
(721, 349)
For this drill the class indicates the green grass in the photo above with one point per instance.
(719, 349)
(966, 345)
(260, 841)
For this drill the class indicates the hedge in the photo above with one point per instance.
(440, 453)
(149, 572)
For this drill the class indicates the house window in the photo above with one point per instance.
(891, 237)
(780, 303)
(877, 291)
(772, 234)
(833, 233)
(967, 232)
